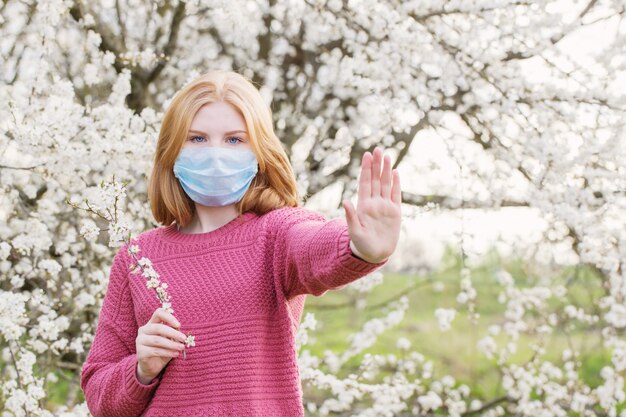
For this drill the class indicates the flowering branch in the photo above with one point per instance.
(107, 209)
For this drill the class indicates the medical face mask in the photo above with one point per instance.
(214, 176)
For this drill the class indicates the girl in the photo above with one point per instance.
(239, 255)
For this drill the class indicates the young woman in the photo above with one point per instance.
(239, 255)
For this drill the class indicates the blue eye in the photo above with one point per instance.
(237, 139)
(234, 137)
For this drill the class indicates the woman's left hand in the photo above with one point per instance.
(374, 226)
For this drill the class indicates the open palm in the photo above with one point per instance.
(374, 226)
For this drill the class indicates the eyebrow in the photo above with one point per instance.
(228, 133)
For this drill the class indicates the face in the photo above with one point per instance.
(218, 124)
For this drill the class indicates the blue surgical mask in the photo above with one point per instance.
(214, 176)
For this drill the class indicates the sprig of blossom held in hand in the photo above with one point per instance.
(144, 265)
(109, 196)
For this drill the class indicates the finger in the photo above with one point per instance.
(351, 217)
(164, 331)
(153, 351)
(161, 342)
(365, 177)
(376, 172)
(396, 192)
(160, 314)
(385, 183)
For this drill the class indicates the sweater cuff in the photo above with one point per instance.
(349, 260)
(134, 388)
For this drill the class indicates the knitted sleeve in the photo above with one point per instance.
(108, 376)
(312, 254)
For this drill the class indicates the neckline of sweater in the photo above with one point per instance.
(172, 234)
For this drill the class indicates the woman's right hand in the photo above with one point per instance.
(157, 344)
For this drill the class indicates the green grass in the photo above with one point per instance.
(454, 352)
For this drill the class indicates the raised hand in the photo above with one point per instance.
(374, 226)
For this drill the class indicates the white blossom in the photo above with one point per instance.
(444, 317)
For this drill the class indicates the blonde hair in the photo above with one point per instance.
(274, 185)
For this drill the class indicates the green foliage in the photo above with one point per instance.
(454, 352)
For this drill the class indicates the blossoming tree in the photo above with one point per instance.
(84, 85)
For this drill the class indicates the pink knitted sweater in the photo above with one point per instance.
(240, 290)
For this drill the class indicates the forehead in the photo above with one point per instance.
(218, 117)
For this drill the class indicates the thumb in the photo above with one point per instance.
(351, 217)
